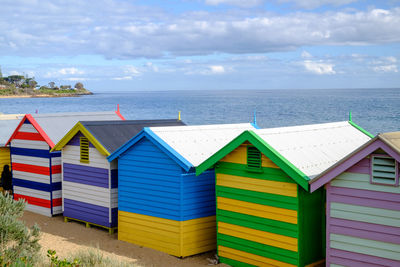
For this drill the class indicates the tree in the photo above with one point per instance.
(52, 85)
(79, 86)
(18, 243)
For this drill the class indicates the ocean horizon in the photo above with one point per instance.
(375, 110)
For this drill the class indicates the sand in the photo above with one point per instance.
(67, 238)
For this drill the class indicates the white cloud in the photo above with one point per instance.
(385, 68)
(68, 71)
(132, 70)
(240, 3)
(122, 78)
(217, 69)
(319, 67)
(127, 31)
(384, 64)
(305, 54)
(311, 4)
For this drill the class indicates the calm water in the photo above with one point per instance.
(376, 110)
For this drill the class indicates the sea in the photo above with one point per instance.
(375, 110)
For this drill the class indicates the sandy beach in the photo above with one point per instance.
(67, 238)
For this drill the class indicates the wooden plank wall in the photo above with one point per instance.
(363, 220)
(33, 167)
(257, 213)
(161, 206)
(4, 157)
(87, 191)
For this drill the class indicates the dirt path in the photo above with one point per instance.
(67, 238)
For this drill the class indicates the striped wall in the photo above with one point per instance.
(363, 220)
(178, 238)
(36, 172)
(90, 190)
(155, 187)
(258, 218)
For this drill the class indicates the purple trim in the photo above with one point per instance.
(114, 178)
(362, 167)
(396, 178)
(328, 228)
(75, 141)
(365, 201)
(85, 175)
(343, 166)
(87, 212)
(347, 258)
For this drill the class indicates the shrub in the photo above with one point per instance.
(18, 244)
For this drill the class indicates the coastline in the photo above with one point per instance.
(42, 96)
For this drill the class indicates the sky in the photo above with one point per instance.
(150, 45)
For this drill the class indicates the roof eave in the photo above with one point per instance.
(71, 133)
(297, 175)
(157, 141)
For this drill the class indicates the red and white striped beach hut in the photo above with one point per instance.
(36, 171)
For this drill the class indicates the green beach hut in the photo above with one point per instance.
(265, 213)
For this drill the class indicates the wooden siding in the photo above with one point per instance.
(4, 157)
(264, 217)
(87, 191)
(154, 187)
(178, 238)
(256, 216)
(363, 220)
(149, 182)
(36, 172)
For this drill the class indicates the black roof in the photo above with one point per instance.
(113, 134)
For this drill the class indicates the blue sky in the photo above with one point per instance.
(203, 44)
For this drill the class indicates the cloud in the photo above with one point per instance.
(311, 4)
(217, 69)
(240, 3)
(305, 54)
(122, 78)
(318, 67)
(68, 71)
(128, 31)
(384, 64)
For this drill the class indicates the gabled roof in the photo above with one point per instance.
(188, 145)
(53, 127)
(388, 142)
(8, 123)
(107, 136)
(302, 152)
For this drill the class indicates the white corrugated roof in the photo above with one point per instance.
(198, 143)
(8, 124)
(57, 125)
(314, 148)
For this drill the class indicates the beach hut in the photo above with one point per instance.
(36, 172)
(265, 213)
(8, 123)
(161, 202)
(363, 205)
(90, 182)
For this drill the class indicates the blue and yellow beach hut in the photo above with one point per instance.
(161, 202)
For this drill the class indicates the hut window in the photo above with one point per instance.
(253, 159)
(384, 170)
(84, 148)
